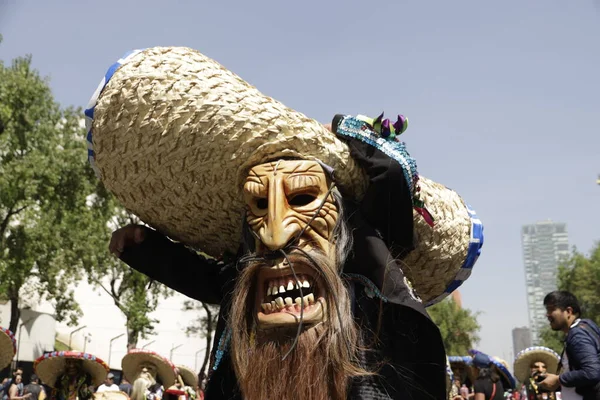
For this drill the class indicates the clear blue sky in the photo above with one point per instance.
(503, 97)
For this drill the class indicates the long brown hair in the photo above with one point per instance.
(324, 357)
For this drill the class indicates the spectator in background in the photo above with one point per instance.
(580, 361)
(34, 387)
(125, 386)
(488, 385)
(15, 392)
(109, 384)
(6, 385)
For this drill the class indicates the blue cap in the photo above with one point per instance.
(481, 360)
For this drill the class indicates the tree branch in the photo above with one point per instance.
(116, 300)
(11, 212)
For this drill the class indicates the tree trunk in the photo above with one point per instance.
(132, 339)
(208, 335)
(15, 311)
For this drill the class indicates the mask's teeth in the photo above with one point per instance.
(290, 285)
(281, 287)
(274, 291)
(305, 284)
(309, 299)
(266, 307)
(279, 302)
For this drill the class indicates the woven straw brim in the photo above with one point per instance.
(111, 396)
(190, 378)
(174, 134)
(51, 368)
(442, 249)
(524, 360)
(7, 349)
(165, 370)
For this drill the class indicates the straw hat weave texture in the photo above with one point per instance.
(172, 134)
(530, 355)
(8, 347)
(132, 362)
(51, 366)
(175, 133)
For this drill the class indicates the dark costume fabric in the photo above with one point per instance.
(404, 345)
(69, 389)
(534, 392)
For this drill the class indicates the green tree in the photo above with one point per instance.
(204, 326)
(552, 339)
(132, 292)
(458, 326)
(580, 275)
(44, 182)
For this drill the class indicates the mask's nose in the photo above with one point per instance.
(280, 228)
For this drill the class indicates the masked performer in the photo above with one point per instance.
(150, 373)
(323, 283)
(531, 366)
(72, 375)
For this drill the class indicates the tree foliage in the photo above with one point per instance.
(458, 326)
(44, 182)
(580, 275)
(132, 292)
(204, 326)
(552, 339)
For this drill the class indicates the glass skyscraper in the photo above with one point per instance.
(545, 246)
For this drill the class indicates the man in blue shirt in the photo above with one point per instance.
(580, 373)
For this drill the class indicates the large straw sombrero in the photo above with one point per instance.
(525, 358)
(112, 395)
(463, 363)
(167, 373)
(190, 378)
(172, 134)
(8, 347)
(501, 366)
(51, 365)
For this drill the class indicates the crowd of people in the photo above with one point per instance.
(72, 375)
(540, 372)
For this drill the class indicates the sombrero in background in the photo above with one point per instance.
(111, 396)
(449, 376)
(190, 378)
(8, 347)
(51, 365)
(525, 358)
(464, 365)
(508, 380)
(172, 134)
(131, 363)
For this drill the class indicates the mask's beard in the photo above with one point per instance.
(323, 359)
(140, 385)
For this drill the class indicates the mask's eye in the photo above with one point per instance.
(301, 200)
(262, 204)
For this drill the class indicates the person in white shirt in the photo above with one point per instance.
(109, 384)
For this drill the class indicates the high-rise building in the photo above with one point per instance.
(545, 246)
(521, 339)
